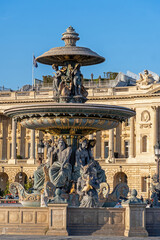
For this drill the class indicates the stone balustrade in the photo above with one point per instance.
(58, 219)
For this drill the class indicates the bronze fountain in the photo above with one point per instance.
(71, 169)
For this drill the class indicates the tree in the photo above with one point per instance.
(47, 80)
(6, 191)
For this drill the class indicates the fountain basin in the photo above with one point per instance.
(69, 118)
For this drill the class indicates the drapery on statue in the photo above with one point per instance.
(145, 79)
(60, 171)
(57, 169)
(82, 154)
(39, 177)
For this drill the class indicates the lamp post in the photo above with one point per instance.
(157, 154)
(41, 149)
(147, 179)
(21, 175)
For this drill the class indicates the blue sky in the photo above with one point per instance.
(125, 32)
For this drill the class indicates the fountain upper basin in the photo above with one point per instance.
(65, 118)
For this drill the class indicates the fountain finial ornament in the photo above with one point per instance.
(70, 36)
(70, 52)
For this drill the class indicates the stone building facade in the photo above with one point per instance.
(125, 153)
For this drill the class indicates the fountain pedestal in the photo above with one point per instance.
(135, 220)
(57, 219)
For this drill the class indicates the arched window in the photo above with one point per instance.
(144, 143)
(3, 182)
(21, 177)
(119, 177)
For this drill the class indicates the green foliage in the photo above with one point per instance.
(19, 157)
(111, 75)
(6, 191)
(28, 186)
(47, 80)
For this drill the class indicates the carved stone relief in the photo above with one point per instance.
(145, 116)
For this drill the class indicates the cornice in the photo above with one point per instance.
(123, 97)
(26, 101)
(90, 98)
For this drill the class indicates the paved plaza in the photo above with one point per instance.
(15, 237)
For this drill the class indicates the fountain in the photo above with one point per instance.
(71, 174)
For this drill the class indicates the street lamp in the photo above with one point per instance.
(157, 154)
(41, 149)
(21, 175)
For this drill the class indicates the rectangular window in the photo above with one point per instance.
(144, 144)
(10, 150)
(106, 149)
(126, 145)
(29, 150)
(98, 144)
(127, 122)
(143, 184)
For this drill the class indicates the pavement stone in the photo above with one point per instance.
(24, 237)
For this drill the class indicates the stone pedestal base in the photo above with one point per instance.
(135, 220)
(57, 220)
(57, 232)
(30, 161)
(12, 161)
(136, 233)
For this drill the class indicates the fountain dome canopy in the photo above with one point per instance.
(70, 52)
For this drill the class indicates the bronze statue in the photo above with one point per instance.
(60, 171)
(77, 79)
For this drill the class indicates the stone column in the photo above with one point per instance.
(31, 160)
(111, 144)
(13, 156)
(131, 150)
(118, 139)
(155, 125)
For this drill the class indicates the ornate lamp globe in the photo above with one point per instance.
(41, 147)
(157, 149)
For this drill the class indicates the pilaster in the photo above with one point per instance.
(111, 145)
(131, 150)
(155, 124)
(1, 139)
(13, 156)
(31, 160)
